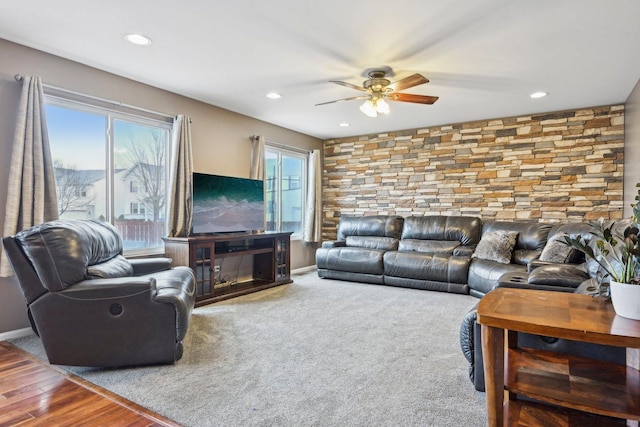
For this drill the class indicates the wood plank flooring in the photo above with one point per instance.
(33, 393)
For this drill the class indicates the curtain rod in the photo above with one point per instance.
(117, 104)
(283, 146)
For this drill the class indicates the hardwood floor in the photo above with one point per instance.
(33, 393)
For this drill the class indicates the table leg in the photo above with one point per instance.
(493, 351)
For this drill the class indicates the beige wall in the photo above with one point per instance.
(631, 148)
(220, 137)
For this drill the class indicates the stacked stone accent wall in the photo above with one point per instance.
(556, 167)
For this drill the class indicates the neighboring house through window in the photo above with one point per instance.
(137, 208)
(286, 172)
(111, 166)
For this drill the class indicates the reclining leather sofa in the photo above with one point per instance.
(93, 307)
(435, 252)
(430, 252)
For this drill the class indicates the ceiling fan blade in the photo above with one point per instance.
(407, 97)
(407, 82)
(352, 86)
(343, 100)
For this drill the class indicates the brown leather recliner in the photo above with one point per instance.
(93, 307)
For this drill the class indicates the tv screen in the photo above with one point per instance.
(224, 204)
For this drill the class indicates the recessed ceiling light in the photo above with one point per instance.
(344, 124)
(138, 39)
(274, 95)
(535, 95)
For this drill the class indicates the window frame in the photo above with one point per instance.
(115, 111)
(271, 147)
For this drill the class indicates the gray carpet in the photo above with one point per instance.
(313, 353)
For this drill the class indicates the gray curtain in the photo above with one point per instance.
(257, 158)
(313, 210)
(31, 193)
(180, 185)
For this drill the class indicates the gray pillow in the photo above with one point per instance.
(556, 251)
(496, 246)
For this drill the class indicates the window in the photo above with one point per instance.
(137, 208)
(111, 165)
(80, 191)
(286, 173)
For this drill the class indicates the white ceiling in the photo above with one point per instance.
(483, 57)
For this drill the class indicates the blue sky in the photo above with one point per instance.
(78, 137)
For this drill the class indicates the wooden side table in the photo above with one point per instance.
(566, 383)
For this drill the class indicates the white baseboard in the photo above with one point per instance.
(303, 270)
(18, 333)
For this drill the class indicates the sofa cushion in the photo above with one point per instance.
(433, 267)
(496, 246)
(463, 229)
(369, 242)
(356, 260)
(374, 225)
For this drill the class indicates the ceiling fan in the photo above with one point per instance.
(379, 89)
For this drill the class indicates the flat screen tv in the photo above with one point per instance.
(224, 204)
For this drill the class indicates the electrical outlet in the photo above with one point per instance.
(216, 269)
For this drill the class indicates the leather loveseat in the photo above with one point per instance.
(92, 307)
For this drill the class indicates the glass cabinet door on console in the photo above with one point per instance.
(208, 255)
(202, 266)
(282, 259)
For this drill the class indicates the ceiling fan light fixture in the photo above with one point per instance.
(382, 107)
(377, 89)
(369, 108)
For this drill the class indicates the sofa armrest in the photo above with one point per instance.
(120, 287)
(533, 264)
(334, 244)
(561, 275)
(143, 266)
(464, 250)
(471, 345)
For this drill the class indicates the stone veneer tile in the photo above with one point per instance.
(551, 167)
